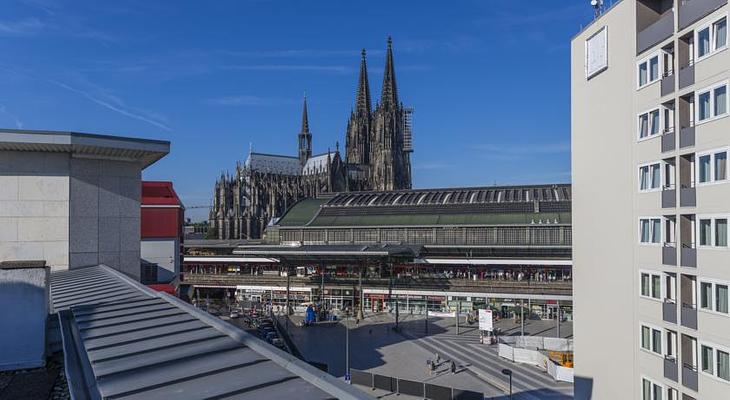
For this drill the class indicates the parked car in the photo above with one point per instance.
(234, 314)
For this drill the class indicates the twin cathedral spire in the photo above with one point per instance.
(375, 156)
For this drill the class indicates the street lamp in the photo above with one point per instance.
(347, 346)
(508, 372)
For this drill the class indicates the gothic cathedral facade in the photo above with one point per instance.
(377, 157)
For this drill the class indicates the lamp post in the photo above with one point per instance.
(508, 372)
(347, 345)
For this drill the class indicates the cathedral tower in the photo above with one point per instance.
(390, 162)
(357, 146)
(305, 137)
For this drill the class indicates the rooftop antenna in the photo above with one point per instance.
(597, 8)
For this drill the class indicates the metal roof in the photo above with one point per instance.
(508, 205)
(123, 340)
(85, 145)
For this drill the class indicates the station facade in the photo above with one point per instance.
(436, 249)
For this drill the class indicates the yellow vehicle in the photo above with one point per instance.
(564, 358)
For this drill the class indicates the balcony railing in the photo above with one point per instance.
(687, 195)
(669, 253)
(669, 196)
(689, 376)
(689, 316)
(687, 136)
(688, 258)
(669, 311)
(655, 33)
(667, 84)
(687, 75)
(669, 140)
(694, 10)
(671, 369)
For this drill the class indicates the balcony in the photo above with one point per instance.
(667, 85)
(669, 141)
(655, 33)
(669, 311)
(693, 10)
(686, 76)
(671, 369)
(669, 197)
(689, 316)
(686, 137)
(669, 254)
(689, 376)
(687, 196)
(689, 256)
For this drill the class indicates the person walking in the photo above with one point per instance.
(438, 358)
(453, 367)
(429, 366)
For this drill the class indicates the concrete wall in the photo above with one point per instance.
(23, 323)
(105, 214)
(603, 134)
(166, 254)
(34, 207)
(71, 212)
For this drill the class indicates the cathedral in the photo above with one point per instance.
(377, 157)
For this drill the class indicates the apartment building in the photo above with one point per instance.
(651, 201)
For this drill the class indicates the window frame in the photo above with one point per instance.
(713, 34)
(651, 230)
(649, 164)
(652, 329)
(652, 275)
(654, 384)
(713, 231)
(715, 349)
(649, 135)
(711, 90)
(712, 153)
(713, 296)
(647, 60)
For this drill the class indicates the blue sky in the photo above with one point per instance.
(489, 79)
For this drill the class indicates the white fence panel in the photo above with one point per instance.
(506, 351)
(564, 374)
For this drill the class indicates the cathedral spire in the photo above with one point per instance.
(305, 117)
(389, 94)
(362, 99)
(305, 137)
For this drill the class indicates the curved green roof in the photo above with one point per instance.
(301, 212)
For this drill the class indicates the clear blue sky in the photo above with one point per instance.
(489, 79)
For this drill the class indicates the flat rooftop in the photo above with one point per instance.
(88, 145)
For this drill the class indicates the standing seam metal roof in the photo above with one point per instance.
(123, 340)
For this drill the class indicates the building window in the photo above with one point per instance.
(650, 124)
(715, 361)
(711, 38)
(712, 102)
(650, 177)
(651, 390)
(706, 361)
(714, 297)
(651, 339)
(712, 166)
(648, 70)
(650, 230)
(651, 285)
(713, 232)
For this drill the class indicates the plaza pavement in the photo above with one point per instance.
(375, 347)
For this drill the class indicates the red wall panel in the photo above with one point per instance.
(161, 222)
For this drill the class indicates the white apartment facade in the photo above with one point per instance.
(651, 201)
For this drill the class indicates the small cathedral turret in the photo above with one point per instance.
(305, 137)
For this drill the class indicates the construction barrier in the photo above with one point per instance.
(538, 342)
(412, 388)
(534, 357)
